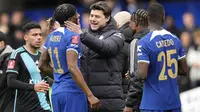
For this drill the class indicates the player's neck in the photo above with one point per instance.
(31, 50)
(154, 27)
(141, 28)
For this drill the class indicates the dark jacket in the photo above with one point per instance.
(101, 65)
(128, 34)
(6, 94)
(135, 87)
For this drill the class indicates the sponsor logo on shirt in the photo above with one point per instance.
(34, 81)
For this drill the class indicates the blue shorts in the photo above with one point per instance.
(173, 110)
(69, 102)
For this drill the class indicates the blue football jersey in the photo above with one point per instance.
(161, 50)
(57, 44)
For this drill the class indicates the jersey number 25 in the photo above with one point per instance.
(170, 61)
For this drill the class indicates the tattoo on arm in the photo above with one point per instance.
(44, 64)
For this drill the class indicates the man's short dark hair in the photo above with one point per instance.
(101, 5)
(64, 12)
(140, 17)
(156, 13)
(30, 26)
(2, 37)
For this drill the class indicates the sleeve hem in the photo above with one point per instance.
(45, 47)
(12, 71)
(145, 61)
(179, 58)
(72, 49)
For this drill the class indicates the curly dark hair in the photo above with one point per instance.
(140, 17)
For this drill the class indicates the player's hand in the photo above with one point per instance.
(94, 102)
(73, 27)
(41, 87)
(128, 109)
(127, 75)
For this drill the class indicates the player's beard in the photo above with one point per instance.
(34, 47)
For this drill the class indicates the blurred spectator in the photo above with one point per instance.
(15, 36)
(15, 39)
(43, 24)
(184, 82)
(115, 6)
(189, 23)
(85, 20)
(122, 18)
(87, 3)
(186, 40)
(6, 94)
(131, 5)
(193, 60)
(152, 1)
(4, 22)
(170, 26)
(17, 18)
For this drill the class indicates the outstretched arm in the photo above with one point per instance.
(107, 47)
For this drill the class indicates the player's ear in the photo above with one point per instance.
(163, 19)
(117, 25)
(25, 37)
(107, 19)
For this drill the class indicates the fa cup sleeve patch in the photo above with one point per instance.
(11, 64)
(74, 39)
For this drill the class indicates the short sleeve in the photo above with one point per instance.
(142, 52)
(74, 44)
(181, 51)
(13, 63)
(46, 42)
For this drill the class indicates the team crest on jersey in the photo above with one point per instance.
(11, 64)
(74, 39)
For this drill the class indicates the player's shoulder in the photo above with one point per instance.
(60, 30)
(17, 52)
(162, 33)
(146, 38)
(67, 33)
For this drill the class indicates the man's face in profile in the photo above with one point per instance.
(132, 24)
